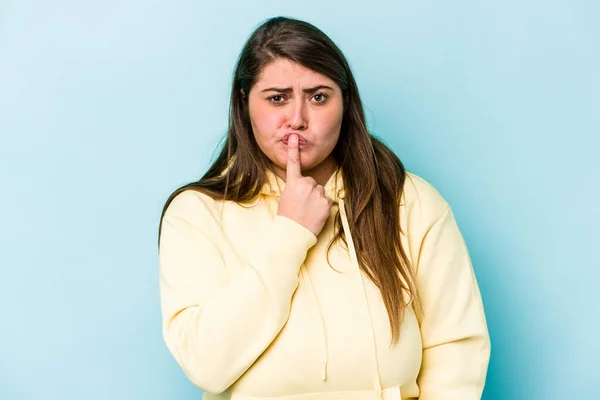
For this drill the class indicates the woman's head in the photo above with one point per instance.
(289, 98)
(291, 78)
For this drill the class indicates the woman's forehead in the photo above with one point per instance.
(283, 73)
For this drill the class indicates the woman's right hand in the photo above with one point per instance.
(302, 199)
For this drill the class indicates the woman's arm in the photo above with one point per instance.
(456, 344)
(214, 324)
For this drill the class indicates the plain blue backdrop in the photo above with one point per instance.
(106, 107)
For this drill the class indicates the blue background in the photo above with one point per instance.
(106, 107)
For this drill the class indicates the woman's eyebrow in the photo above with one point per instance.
(289, 89)
(314, 89)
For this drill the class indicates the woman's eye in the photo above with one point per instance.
(276, 99)
(320, 97)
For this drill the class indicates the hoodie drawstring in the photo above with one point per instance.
(354, 258)
(337, 197)
(308, 280)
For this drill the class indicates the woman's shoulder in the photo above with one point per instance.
(421, 200)
(190, 204)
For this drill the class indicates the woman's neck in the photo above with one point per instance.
(320, 173)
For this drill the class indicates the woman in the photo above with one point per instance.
(307, 263)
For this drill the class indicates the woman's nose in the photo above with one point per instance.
(297, 118)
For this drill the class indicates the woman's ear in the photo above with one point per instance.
(243, 95)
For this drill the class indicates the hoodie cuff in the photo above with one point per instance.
(287, 243)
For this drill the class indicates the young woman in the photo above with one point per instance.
(307, 263)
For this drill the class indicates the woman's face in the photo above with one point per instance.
(289, 98)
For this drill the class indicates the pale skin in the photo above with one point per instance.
(296, 115)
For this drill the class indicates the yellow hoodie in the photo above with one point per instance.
(252, 310)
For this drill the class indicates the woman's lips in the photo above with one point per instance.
(301, 140)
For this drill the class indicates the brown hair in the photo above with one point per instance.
(373, 175)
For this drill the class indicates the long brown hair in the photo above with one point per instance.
(373, 175)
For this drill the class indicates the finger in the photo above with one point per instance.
(293, 171)
(310, 180)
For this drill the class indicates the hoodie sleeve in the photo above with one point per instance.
(216, 323)
(456, 344)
